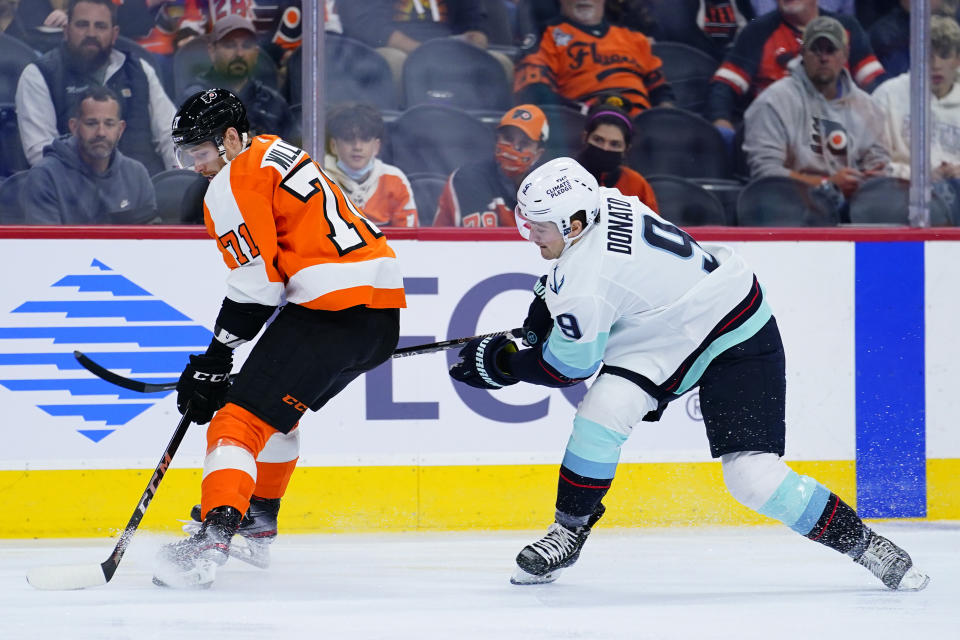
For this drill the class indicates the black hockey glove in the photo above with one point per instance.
(204, 383)
(538, 322)
(478, 366)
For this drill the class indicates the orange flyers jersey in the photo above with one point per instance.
(581, 63)
(287, 232)
(385, 196)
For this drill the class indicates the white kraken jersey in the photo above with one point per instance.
(640, 294)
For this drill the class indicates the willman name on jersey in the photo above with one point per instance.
(281, 155)
(619, 226)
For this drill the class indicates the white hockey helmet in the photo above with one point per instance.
(554, 192)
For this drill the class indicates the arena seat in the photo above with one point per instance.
(14, 56)
(437, 139)
(12, 158)
(885, 200)
(10, 211)
(688, 70)
(451, 72)
(780, 201)
(685, 203)
(354, 72)
(676, 142)
(566, 131)
(427, 188)
(180, 196)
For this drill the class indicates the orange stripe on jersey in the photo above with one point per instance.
(381, 298)
(284, 227)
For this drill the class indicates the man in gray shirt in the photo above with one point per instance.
(816, 125)
(83, 178)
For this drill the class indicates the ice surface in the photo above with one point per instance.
(755, 582)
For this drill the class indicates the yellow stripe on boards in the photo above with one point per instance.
(98, 503)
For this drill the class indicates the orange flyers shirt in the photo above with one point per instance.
(287, 232)
(581, 63)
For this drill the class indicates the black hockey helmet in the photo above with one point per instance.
(206, 116)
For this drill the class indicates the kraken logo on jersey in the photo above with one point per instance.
(555, 286)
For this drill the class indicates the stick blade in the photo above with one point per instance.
(66, 577)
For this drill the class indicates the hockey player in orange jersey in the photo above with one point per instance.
(291, 239)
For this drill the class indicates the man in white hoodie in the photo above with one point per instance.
(816, 125)
(894, 96)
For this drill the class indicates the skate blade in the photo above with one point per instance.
(913, 580)
(522, 577)
(173, 577)
(251, 551)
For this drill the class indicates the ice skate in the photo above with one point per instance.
(543, 561)
(892, 565)
(257, 531)
(192, 563)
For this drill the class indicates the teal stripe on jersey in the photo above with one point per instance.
(574, 359)
(724, 342)
(798, 502)
(588, 468)
(591, 441)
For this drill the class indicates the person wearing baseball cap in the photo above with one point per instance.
(484, 193)
(234, 53)
(816, 125)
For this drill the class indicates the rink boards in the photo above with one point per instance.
(868, 323)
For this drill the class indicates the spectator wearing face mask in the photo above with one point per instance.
(606, 138)
(484, 193)
(381, 190)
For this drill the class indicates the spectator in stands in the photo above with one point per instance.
(395, 29)
(894, 96)
(816, 125)
(762, 51)
(532, 17)
(10, 22)
(708, 25)
(47, 88)
(83, 177)
(845, 7)
(233, 52)
(484, 193)
(890, 34)
(581, 56)
(381, 190)
(278, 23)
(606, 138)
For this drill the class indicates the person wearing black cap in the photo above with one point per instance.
(606, 138)
(233, 54)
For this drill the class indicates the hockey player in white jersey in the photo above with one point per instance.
(637, 299)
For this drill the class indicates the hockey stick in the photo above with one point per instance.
(83, 576)
(514, 334)
(155, 387)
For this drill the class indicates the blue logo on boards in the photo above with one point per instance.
(114, 321)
